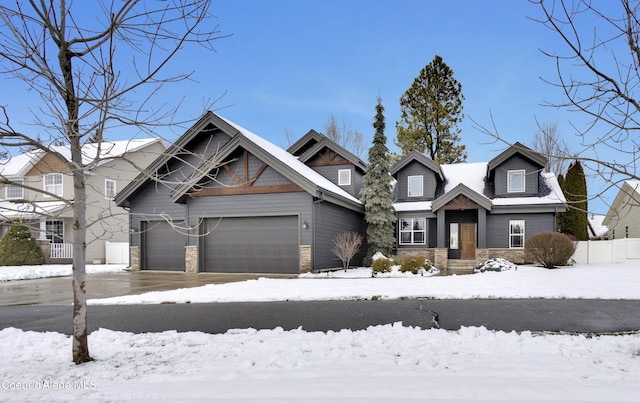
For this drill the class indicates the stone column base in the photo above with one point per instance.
(305, 258)
(191, 259)
(134, 257)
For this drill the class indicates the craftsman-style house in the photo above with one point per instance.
(230, 201)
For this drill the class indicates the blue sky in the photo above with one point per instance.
(290, 65)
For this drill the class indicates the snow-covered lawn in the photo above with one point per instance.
(381, 363)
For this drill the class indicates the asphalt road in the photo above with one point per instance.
(557, 315)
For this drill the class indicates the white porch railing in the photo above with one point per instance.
(61, 251)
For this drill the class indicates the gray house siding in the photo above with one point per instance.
(331, 172)
(429, 184)
(515, 163)
(498, 226)
(331, 220)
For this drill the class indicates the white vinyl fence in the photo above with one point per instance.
(611, 251)
(117, 252)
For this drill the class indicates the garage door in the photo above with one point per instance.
(252, 245)
(163, 247)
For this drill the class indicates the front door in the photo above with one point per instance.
(467, 241)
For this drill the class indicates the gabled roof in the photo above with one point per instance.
(420, 158)
(630, 190)
(518, 148)
(21, 164)
(274, 156)
(461, 189)
(313, 142)
(304, 142)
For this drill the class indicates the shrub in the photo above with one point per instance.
(18, 247)
(550, 249)
(412, 264)
(382, 265)
(345, 246)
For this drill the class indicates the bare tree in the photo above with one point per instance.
(94, 75)
(345, 246)
(597, 61)
(598, 74)
(548, 142)
(344, 136)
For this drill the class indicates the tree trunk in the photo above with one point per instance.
(80, 348)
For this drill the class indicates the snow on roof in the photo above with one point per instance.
(412, 206)
(10, 210)
(470, 174)
(595, 223)
(635, 185)
(293, 162)
(20, 164)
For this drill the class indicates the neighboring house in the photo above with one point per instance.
(230, 201)
(233, 202)
(459, 215)
(623, 217)
(596, 229)
(51, 219)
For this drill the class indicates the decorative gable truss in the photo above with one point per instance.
(244, 174)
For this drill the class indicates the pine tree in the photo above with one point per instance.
(431, 109)
(574, 220)
(18, 247)
(376, 194)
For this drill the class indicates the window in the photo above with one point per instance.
(453, 235)
(412, 231)
(55, 231)
(109, 189)
(415, 186)
(515, 181)
(344, 177)
(15, 191)
(53, 184)
(516, 234)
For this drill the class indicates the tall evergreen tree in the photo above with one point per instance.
(574, 220)
(431, 109)
(376, 194)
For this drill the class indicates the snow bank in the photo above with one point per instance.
(381, 363)
(8, 273)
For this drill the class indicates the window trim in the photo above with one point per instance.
(412, 231)
(522, 173)
(11, 186)
(513, 223)
(409, 187)
(342, 182)
(106, 193)
(54, 185)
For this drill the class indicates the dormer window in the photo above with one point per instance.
(516, 181)
(344, 177)
(415, 186)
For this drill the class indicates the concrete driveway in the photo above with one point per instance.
(57, 290)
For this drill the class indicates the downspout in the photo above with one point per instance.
(128, 210)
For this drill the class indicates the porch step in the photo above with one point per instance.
(461, 266)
